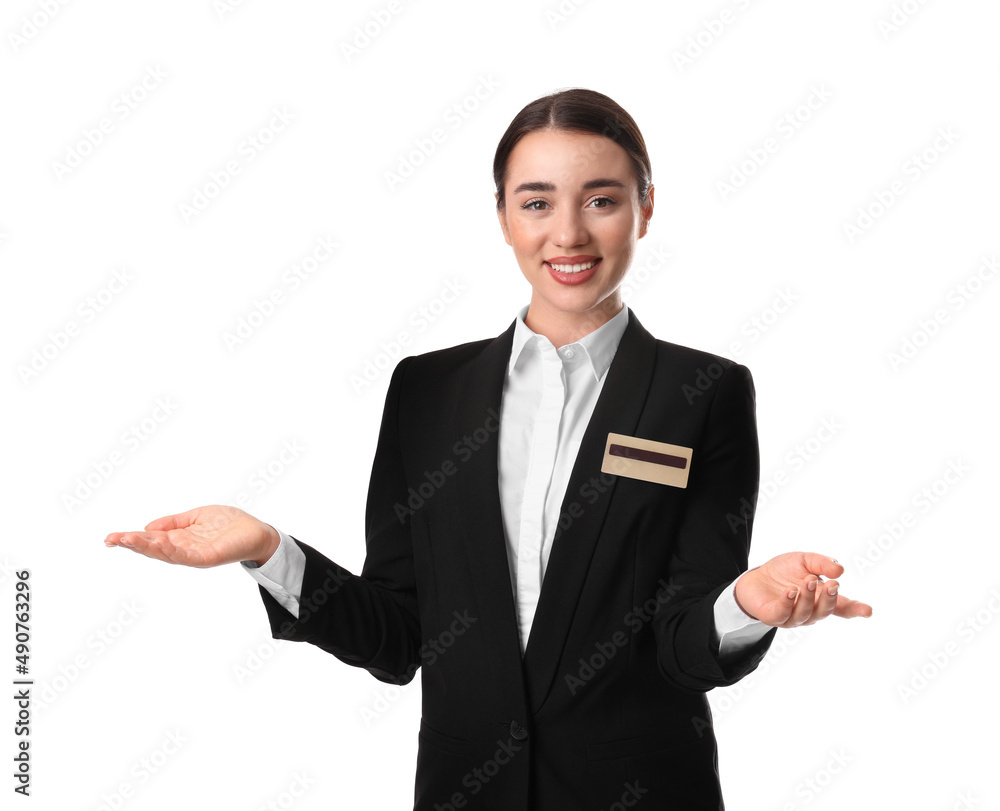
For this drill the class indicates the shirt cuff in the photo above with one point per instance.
(282, 573)
(737, 630)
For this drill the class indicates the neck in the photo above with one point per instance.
(562, 327)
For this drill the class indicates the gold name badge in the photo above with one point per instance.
(647, 460)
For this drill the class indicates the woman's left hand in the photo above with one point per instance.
(788, 591)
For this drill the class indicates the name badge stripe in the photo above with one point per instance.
(648, 456)
(647, 460)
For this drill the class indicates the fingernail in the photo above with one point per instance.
(811, 585)
(833, 592)
(793, 594)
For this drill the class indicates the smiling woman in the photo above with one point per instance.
(573, 232)
(580, 176)
(529, 493)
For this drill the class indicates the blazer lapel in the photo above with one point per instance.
(479, 408)
(617, 410)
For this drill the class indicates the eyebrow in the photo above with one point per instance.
(545, 185)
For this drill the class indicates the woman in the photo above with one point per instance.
(557, 518)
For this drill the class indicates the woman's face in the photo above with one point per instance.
(573, 218)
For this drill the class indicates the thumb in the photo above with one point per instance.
(177, 521)
(822, 565)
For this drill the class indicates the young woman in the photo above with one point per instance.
(557, 520)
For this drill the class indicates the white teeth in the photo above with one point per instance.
(574, 268)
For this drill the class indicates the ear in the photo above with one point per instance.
(647, 213)
(502, 216)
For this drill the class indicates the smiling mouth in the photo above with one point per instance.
(577, 268)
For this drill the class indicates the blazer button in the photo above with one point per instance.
(517, 732)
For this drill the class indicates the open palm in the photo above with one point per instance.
(202, 537)
(789, 591)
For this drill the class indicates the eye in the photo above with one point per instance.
(530, 205)
(607, 200)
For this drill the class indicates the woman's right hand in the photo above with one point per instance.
(202, 537)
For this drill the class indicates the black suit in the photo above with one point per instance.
(608, 701)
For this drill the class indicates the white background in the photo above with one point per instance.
(127, 651)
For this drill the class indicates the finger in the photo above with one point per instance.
(144, 543)
(822, 564)
(804, 604)
(848, 608)
(781, 617)
(176, 521)
(826, 601)
(119, 539)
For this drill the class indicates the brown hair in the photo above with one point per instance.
(575, 109)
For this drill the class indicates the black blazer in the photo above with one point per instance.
(608, 704)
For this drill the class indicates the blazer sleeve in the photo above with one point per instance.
(371, 620)
(712, 546)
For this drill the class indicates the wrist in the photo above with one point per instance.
(270, 546)
(736, 594)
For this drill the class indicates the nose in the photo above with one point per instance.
(569, 228)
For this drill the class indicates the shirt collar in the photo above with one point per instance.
(599, 346)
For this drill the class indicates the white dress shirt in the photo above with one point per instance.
(549, 395)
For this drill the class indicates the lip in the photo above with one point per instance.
(573, 278)
(570, 260)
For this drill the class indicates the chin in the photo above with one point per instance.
(574, 303)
